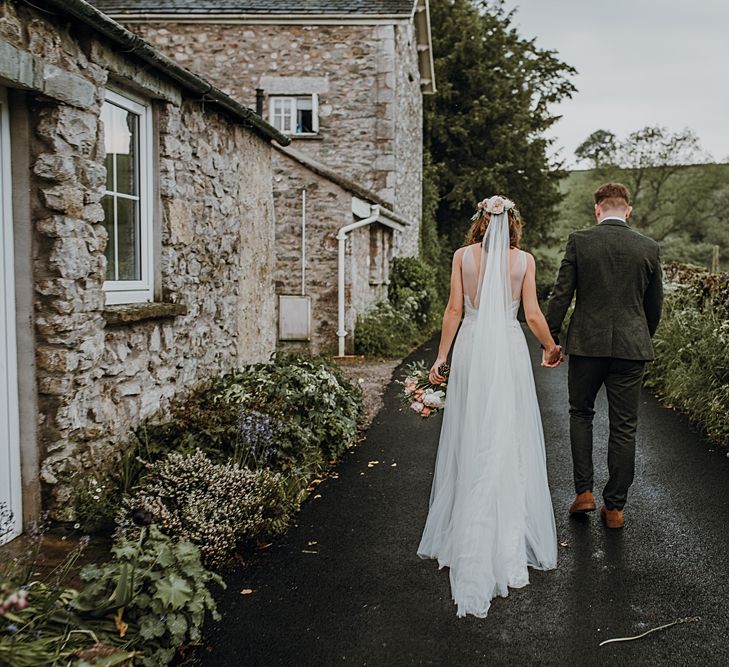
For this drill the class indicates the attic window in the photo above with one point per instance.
(295, 115)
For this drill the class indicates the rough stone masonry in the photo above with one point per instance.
(100, 370)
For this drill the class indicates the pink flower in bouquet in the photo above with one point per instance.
(425, 412)
(419, 394)
(417, 406)
(410, 385)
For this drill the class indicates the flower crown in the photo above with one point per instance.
(496, 204)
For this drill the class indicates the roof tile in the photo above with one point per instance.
(312, 7)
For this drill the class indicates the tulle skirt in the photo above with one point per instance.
(490, 514)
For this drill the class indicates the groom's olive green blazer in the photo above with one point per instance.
(616, 273)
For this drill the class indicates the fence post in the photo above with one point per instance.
(715, 259)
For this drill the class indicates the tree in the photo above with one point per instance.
(678, 196)
(484, 128)
(600, 148)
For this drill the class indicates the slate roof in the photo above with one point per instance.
(284, 7)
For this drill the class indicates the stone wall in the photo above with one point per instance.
(370, 107)
(328, 207)
(100, 370)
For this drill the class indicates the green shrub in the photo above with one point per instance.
(308, 402)
(691, 369)
(213, 505)
(412, 288)
(386, 331)
(153, 592)
(394, 327)
(547, 261)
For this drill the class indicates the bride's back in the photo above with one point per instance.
(471, 273)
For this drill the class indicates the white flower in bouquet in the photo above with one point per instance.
(434, 399)
(417, 406)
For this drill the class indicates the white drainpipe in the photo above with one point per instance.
(342, 238)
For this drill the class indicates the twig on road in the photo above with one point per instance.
(691, 619)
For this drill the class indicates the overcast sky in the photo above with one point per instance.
(639, 62)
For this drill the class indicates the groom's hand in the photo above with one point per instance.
(553, 357)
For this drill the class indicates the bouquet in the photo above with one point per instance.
(419, 394)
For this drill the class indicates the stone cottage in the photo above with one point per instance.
(137, 236)
(344, 80)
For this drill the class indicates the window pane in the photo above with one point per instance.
(107, 201)
(107, 120)
(304, 114)
(129, 252)
(304, 120)
(125, 140)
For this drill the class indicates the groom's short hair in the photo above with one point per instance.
(612, 195)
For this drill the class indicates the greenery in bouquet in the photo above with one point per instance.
(419, 394)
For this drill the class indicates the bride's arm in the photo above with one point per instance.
(533, 313)
(451, 318)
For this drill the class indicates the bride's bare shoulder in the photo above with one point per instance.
(530, 261)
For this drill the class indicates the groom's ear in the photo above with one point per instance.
(597, 211)
(628, 211)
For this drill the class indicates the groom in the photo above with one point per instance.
(616, 273)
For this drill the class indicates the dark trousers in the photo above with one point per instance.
(622, 379)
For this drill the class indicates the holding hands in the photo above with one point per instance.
(552, 356)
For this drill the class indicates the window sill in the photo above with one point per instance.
(139, 312)
(305, 137)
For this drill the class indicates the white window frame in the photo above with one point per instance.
(9, 403)
(292, 113)
(138, 291)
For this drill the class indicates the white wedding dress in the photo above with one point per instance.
(490, 510)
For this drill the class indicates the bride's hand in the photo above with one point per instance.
(553, 357)
(434, 377)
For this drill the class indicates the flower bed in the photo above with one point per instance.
(229, 466)
(691, 369)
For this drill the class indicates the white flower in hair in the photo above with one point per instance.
(498, 204)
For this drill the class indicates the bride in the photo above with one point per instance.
(490, 510)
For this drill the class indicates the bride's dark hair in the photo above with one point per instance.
(478, 228)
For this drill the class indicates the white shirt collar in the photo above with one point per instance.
(613, 217)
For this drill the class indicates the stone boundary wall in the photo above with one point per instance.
(97, 374)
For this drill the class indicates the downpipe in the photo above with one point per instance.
(342, 240)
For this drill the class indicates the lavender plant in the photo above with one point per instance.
(259, 436)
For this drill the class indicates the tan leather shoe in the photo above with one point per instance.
(612, 518)
(585, 502)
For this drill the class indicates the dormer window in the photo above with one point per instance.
(295, 115)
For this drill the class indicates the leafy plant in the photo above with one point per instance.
(386, 331)
(310, 393)
(691, 369)
(412, 288)
(214, 506)
(155, 592)
(37, 625)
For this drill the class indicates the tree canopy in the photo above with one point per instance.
(679, 197)
(484, 128)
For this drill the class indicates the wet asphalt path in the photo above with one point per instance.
(365, 598)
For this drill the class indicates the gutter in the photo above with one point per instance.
(136, 46)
